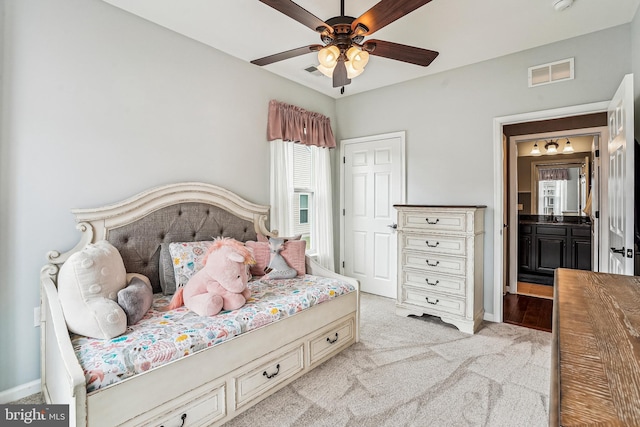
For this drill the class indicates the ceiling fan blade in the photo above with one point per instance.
(287, 54)
(340, 74)
(400, 52)
(294, 11)
(384, 13)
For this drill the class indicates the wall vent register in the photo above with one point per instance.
(552, 72)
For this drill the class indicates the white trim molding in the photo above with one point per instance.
(20, 392)
(498, 123)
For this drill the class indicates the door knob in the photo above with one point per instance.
(393, 226)
(618, 251)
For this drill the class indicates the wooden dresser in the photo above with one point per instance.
(440, 263)
(595, 364)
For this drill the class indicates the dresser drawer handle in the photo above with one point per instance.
(183, 418)
(431, 222)
(269, 376)
(432, 303)
(432, 246)
(331, 341)
(432, 284)
(433, 265)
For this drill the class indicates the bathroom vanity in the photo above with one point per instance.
(547, 242)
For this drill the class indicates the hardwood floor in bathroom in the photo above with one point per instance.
(532, 307)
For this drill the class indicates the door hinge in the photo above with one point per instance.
(342, 264)
(597, 214)
(344, 159)
(597, 153)
(344, 212)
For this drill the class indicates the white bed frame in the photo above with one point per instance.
(208, 387)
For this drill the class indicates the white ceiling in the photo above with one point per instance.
(463, 31)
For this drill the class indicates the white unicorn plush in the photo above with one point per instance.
(278, 267)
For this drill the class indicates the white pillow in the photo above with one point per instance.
(88, 285)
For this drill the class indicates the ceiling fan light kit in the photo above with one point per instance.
(344, 53)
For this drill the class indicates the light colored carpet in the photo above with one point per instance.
(409, 371)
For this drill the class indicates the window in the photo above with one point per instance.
(303, 209)
(303, 185)
(300, 180)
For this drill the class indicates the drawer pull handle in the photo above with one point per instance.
(331, 341)
(269, 376)
(433, 265)
(433, 223)
(432, 303)
(183, 418)
(432, 284)
(432, 246)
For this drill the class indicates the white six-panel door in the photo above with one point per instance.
(373, 180)
(621, 179)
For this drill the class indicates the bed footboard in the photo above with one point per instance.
(62, 377)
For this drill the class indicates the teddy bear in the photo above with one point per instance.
(221, 284)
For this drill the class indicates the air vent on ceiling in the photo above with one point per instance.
(313, 70)
(553, 72)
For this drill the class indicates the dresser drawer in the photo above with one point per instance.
(431, 281)
(199, 407)
(450, 245)
(435, 263)
(434, 301)
(433, 220)
(331, 341)
(268, 375)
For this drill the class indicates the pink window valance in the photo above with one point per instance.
(290, 123)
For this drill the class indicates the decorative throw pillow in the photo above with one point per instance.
(187, 259)
(136, 298)
(293, 253)
(88, 284)
(261, 255)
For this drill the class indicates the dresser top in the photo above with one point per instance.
(442, 206)
(596, 327)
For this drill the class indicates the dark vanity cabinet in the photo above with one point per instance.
(543, 247)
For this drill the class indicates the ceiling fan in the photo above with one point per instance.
(344, 52)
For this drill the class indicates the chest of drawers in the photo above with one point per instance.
(440, 263)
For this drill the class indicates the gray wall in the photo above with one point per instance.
(448, 117)
(99, 105)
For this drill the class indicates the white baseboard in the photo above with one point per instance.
(489, 317)
(20, 391)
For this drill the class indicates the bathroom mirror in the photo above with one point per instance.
(559, 188)
(554, 184)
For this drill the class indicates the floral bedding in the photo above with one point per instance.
(164, 336)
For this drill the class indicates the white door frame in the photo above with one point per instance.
(403, 173)
(498, 181)
(512, 259)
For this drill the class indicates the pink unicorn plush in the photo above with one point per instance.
(221, 283)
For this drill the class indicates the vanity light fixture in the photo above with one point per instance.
(568, 148)
(535, 151)
(551, 147)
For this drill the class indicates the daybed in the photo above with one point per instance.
(212, 382)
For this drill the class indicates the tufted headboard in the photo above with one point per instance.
(184, 212)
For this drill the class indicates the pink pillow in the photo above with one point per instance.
(261, 255)
(293, 253)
